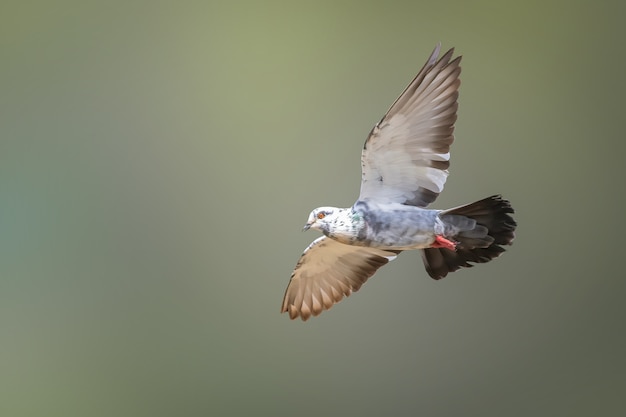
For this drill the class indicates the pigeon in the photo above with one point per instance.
(404, 165)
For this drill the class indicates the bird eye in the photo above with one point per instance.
(321, 215)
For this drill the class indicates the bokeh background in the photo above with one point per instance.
(158, 160)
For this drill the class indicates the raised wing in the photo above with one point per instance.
(406, 156)
(327, 272)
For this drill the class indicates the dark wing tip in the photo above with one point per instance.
(434, 54)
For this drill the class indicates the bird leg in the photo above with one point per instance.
(442, 242)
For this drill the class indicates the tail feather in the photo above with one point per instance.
(493, 226)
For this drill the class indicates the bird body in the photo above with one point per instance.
(404, 165)
(387, 225)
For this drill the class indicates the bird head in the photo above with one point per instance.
(321, 218)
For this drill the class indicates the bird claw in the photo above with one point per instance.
(442, 242)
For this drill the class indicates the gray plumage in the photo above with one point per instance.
(404, 168)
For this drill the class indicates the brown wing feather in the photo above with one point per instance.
(327, 272)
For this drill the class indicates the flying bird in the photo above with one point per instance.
(404, 165)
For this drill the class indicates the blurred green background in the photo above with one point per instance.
(158, 160)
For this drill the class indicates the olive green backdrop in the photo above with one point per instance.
(158, 160)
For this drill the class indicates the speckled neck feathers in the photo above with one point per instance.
(345, 226)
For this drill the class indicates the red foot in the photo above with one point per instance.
(442, 242)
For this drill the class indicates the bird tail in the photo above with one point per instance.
(479, 229)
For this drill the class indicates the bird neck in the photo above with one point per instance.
(346, 226)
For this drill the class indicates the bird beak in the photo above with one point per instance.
(306, 227)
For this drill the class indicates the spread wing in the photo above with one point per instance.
(327, 272)
(406, 156)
